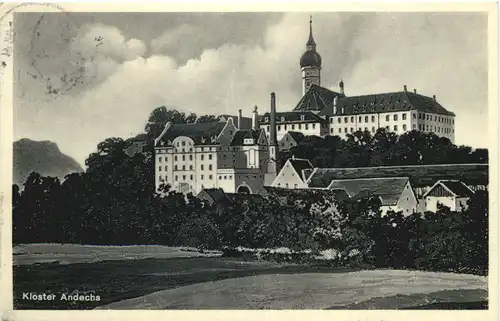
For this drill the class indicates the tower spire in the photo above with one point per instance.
(311, 45)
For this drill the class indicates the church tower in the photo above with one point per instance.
(310, 63)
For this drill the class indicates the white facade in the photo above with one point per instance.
(407, 203)
(308, 129)
(288, 177)
(398, 122)
(454, 203)
(311, 75)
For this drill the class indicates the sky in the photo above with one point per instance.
(81, 78)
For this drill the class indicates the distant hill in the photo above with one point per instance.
(43, 157)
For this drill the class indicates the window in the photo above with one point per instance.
(282, 119)
(340, 130)
(414, 126)
(279, 127)
(419, 116)
(302, 117)
(175, 158)
(345, 120)
(359, 119)
(387, 128)
(373, 119)
(190, 167)
(286, 185)
(387, 118)
(395, 127)
(225, 177)
(352, 129)
(210, 168)
(191, 177)
(366, 119)
(435, 118)
(201, 176)
(159, 168)
(307, 126)
(201, 166)
(176, 178)
(314, 126)
(201, 157)
(183, 167)
(267, 128)
(190, 157)
(331, 130)
(300, 126)
(284, 126)
(404, 116)
(366, 129)
(395, 117)
(293, 127)
(210, 156)
(177, 144)
(183, 158)
(220, 177)
(296, 186)
(183, 177)
(345, 130)
(210, 177)
(404, 127)
(373, 129)
(160, 178)
(160, 159)
(339, 120)
(352, 119)
(267, 119)
(331, 121)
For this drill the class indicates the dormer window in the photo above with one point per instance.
(267, 119)
(302, 117)
(282, 119)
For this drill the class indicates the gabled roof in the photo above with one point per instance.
(388, 189)
(294, 117)
(246, 122)
(299, 165)
(201, 133)
(317, 98)
(455, 187)
(385, 102)
(216, 194)
(296, 136)
(420, 175)
(240, 136)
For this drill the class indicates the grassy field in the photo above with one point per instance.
(213, 282)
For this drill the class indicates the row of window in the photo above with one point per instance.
(176, 168)
(438, 119)
(210, 177)
(436, 129)
(374, 129)
(287, 185)
(183, 157)
(293, 126)
(368, 118)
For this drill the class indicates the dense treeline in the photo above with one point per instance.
(383, 148)
(114, 202)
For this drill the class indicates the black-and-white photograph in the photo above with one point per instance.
(250, 160)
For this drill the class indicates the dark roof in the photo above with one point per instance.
(388, 189)
(420, 175)
(201, 133)
(299, 165)
(240, 135)
(246, 122)
(385, 102)
(216, 194)
(285, 194)
(294, 117)
(310, 58)
(458, 188)
(316, 98)
(297, 136)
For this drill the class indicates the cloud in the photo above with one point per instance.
(442, 55)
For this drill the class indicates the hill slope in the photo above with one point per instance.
(43, 157)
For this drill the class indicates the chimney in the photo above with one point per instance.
(272, 130)
(255, 118)
(405, 88)
(343, 109)
(335, 103)
(239, 119)
(415, 91)
(434, 97)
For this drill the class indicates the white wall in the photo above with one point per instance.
(287, 178)
(431, 202)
